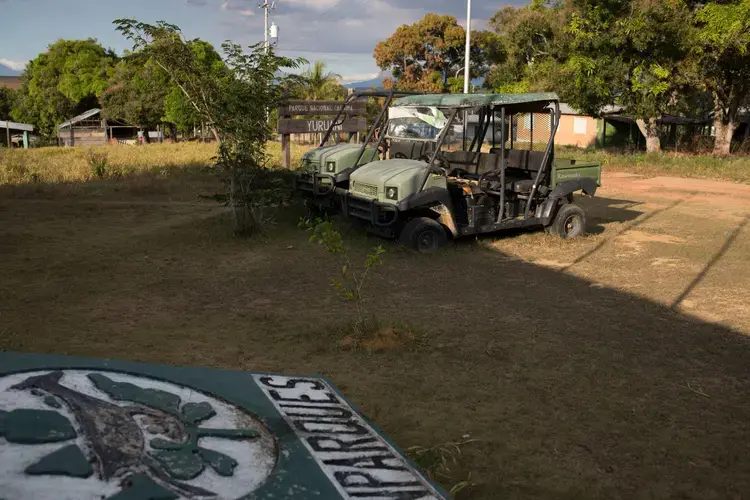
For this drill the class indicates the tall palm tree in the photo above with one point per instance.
(320, 84)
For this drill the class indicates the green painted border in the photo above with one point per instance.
(223, 384)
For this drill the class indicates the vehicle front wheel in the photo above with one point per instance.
(423, 234)
(570, 222)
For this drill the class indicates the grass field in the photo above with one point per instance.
(518, 366)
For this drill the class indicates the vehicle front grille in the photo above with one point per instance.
(312, 166)
(366, 189)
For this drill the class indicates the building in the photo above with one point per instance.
(92, 129)
(576, 129)
(15, 133)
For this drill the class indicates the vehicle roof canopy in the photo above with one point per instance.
(519, 103)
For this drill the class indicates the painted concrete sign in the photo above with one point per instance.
(76, 429)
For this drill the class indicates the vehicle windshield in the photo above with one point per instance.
(420, 123)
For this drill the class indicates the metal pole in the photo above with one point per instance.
(265, 29)
(468, 47)
(501, 211)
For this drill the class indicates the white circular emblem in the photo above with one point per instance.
(89, 434)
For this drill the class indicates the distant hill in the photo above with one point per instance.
(6, 71)
(376, 82)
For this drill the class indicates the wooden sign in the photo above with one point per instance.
(301, 108)
(74, 428)
(313, 126)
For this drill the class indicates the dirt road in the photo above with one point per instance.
(684, 243)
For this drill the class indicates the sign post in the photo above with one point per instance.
(351, 120)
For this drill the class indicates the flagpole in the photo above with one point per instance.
(468, 47)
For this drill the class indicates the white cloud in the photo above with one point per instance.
(315, 4)
(358, 77)
(16, 65)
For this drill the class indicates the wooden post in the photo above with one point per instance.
(7, 133)
(25, 140)
(72, 139)
(286, 151)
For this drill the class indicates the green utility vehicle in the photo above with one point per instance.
(464, 190)
(328, 167)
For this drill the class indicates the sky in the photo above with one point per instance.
(342, 33)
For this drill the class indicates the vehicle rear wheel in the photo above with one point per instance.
(423, 234)
(570, 222)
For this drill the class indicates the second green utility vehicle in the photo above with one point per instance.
(462, 189)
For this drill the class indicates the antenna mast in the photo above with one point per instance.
(267, 7)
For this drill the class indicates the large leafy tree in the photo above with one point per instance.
(7, 100)
(532, 43)
(720, 63)
(141, 92)
(425, 55)
(136, 94)
(627, 52)
(65, 80)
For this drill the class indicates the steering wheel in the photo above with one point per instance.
(440, 162)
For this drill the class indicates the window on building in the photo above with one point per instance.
(579, 125)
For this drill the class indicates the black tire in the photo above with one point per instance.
(423, 235)
(570, 222)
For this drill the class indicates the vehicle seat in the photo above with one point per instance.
(525, 162)
(463, 160)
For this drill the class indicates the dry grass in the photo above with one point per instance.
(116, 171)
(64, 165)
(610, 367)
(734, 168)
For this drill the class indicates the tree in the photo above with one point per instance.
(136, 93)
(721, 64)
(7, 101)
(626, 52)
(141, 93)
(318, 84)
(64, 81)
(234, 100)
(426, 54)
(179, 111)
(532, 40)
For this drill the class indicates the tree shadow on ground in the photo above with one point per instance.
(570, 390)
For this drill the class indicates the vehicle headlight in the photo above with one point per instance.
(330, 167)
(391, 193)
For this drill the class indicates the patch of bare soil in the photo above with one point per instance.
(678, 187)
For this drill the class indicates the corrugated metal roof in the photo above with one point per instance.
(476, 100)
(16, 126)
(83, 116)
